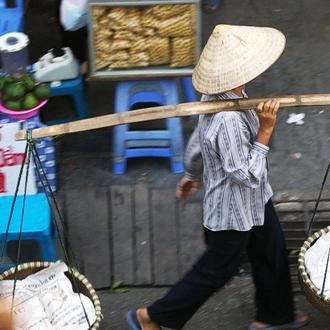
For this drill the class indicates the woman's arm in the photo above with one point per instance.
(242, 159)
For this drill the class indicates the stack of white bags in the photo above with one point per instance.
(316, 258)
(45, 300)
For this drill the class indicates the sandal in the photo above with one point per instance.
(293, 325)
(210, 6)
(132, 320)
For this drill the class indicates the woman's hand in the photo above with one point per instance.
(267, 112)
(187, 188)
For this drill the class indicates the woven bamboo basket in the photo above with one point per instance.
(313, 294)
(78, 280)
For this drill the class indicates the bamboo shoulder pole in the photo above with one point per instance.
(168, 111)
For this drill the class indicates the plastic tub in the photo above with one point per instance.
(21, 114)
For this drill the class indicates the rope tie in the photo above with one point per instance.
(310, 226)
(318, 199)
(31, 149)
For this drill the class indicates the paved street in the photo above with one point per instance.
(299, 153)
(230, 309)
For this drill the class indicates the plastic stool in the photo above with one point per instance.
(11, 18)
(188, 90)
(74, 88)
(152, 143)
(37, 223)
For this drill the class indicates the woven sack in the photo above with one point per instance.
(78, 280)
(313, 294)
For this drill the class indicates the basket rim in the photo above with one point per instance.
(75, 273)
(302, 272)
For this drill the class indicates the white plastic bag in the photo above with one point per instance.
(73, 14)
(46, 300)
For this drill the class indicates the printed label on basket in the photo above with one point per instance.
(11, 158)
(45, 300)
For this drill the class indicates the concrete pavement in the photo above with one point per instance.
(230, 309)
(302, 69)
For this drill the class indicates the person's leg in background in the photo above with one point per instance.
(76, 40)
(210, 6)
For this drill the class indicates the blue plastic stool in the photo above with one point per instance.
(152, 143)
(74, 88)
(37, 223)
(188, 90)
(11, 18)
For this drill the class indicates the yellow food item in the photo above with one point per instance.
(160, 51)
(150, 35)
(183, 52)
(165, 11)
(176, 26)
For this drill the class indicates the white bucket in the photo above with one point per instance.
(14, 53)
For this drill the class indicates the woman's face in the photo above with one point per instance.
(238, 90)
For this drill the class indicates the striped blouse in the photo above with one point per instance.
(234, 168)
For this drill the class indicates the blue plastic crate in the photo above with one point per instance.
(35, 224)
(11, 18)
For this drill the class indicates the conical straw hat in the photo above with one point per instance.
(235, 55)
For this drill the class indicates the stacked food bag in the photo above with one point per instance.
(143, 36)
